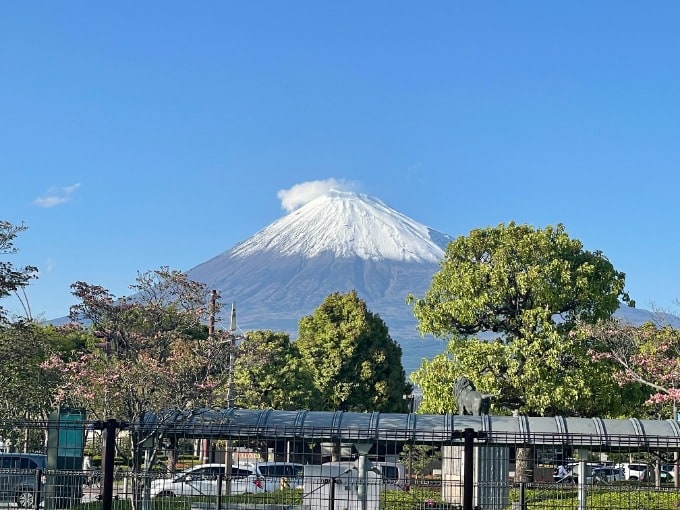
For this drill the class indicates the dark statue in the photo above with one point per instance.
(468, 399)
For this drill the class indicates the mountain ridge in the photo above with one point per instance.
(339, 242)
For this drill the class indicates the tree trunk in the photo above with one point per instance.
(172, 455)
(524, 464)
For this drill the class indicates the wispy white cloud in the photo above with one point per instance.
(302, 193)
(56, 196)
(49, 265)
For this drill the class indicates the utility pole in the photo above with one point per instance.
(232, 345)
(229, 459)
(205, 446)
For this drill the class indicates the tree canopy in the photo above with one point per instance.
(646, 356)
(506, 297)
(354, 363)
(12, 278)
(269, 373)
(153, 351)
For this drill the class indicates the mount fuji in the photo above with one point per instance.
(338, 242)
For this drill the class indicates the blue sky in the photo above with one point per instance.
(141, 134)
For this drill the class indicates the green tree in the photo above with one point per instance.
(524, 288)
(269, 373)
(26, 390)
(154, 354)
(12, 279)
(355, 364)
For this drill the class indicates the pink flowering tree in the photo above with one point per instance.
(646, 356)
(151, 352)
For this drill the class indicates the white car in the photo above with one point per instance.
(634, 471)
(605, 474)
(278, 475)
(392, 474)
(202, 480)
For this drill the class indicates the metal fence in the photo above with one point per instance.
(288, 471)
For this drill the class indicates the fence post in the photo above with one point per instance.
(108, 457)
(468, 468)
(38, 489)
(331, 495)
(220, 479)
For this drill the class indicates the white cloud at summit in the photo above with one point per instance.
(300, 194)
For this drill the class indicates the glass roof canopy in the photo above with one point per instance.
(594, 433)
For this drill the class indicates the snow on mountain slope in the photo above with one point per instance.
(347, 224)
(336, 243)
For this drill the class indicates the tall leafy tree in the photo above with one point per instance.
(26, 390)
(153, 354)
(523, 289)
(269, 373)
(355, 364)
(527, 288)
(12, 279)
(153, 350)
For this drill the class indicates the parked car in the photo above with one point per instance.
(605, 474)
(278, 475)
(18, 477)
(392, 473)
(202, 480)
(633, 471)
(666, 476)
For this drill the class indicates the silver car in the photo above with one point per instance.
(18, 482)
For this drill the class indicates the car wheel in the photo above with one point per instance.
(25, 499)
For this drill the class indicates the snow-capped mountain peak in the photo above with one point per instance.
(347, 224)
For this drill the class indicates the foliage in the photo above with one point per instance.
(153, 353)
(355, 364)
(523, 288)
(23, 385)
(11, 278)
(269, 373)
(25, 388)
(646, 356)
(418, 458)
